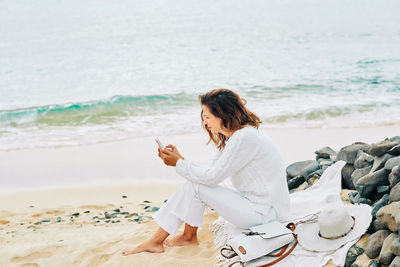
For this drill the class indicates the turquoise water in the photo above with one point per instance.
(75, 72)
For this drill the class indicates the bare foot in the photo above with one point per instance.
(147, 246)
(181, 240)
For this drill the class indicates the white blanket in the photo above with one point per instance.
(326, 192)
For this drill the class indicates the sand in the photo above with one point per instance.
(43, 188)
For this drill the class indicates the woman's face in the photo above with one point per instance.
(210, 121)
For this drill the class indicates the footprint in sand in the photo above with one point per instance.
(39, 254)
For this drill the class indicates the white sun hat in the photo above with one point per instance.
(336, 226)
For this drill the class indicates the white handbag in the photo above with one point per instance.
(262, 240)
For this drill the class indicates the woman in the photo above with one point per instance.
(244, 154)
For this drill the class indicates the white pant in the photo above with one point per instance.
(187, 205)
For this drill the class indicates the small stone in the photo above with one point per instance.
(389, 216)
(349, 153)
(395, 151)
(117, 210)
(395, 193)
(373, 263)
(87, 211)
(383, 189)
(392, 162)
(146, 201)
(381, 148)
(45, 220)
(363, 160)
(107, 215)
(395, 262)
(386, 255)
(76, 214)
(325, 152)
(124, 196)
(295, 182)
(379, 204)
(294, 169)
(375, 243)
(352, 254)
(377, 225)
(124, 213)
(347, 171)
(146, 207)
(379, 162)
(310, 168)
(395, 247)
(155, 209)
(358, 173)
(367, 184)
(395, 139)
(393, 179)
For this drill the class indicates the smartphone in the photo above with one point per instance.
(159, 143)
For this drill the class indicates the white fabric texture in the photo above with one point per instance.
(188, 203)
(325, 193)
(255, 168)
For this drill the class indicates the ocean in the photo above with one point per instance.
(84, 72)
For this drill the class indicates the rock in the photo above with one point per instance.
(117, 210)
(395, 247)
(395, 150)
(392, 162)
(395, 139)
(381, 148)
(349, 153)
(358, 173)
(396, 171)
(295, 182)
(375, 243)
(366, 184)
(395, 262)
(393, 179)
(373, 263)
(107, 215)
(383, 189)
(386, 256)
(377, 225)
(325, 152)
(295, 169)
(146, 201)
(124, 196)
(379, 162)
(76, 214)
(389, 216)
(363, 160)
(313, 178)
(379, 204)
(309, 168)
(324, 162)
(347, 171)
(352, 254)
(395, 193)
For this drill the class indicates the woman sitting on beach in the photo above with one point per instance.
(244, 154)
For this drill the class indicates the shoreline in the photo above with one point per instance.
(135, 161)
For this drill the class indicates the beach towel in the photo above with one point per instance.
(325, 192)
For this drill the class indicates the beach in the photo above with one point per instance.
(55, 224)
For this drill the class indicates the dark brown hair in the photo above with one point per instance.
(230, 108)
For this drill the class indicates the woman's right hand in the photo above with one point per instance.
(170, 155)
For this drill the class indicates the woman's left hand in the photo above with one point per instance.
(170, 155)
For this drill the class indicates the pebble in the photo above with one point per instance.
(295, 182)
(389, 216)
(393, 179)
(294, 169)
(379, 162)
(352, 254)
(375, 243)
(381, 148)
(347, 170)
(363, 160)
(325, 152)
(395, 247)
(367, 184)
(379, 204)
(349, 153)
(392, 162)
(395, 262)
(124, 196)
(386, 255)
(358, 173)
(395, 193)
(75, 214)
(395, 151)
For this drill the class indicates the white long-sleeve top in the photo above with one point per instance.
(255, 168)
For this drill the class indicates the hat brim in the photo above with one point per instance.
(309, 239)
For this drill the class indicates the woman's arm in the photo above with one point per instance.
(238, 152)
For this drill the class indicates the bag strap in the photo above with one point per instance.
(281, 254)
